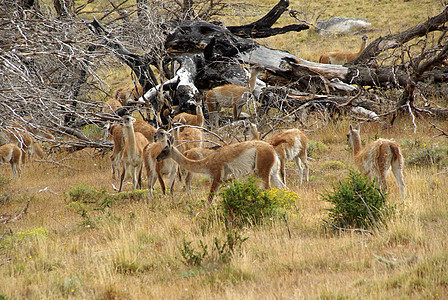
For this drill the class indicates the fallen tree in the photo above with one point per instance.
(49, 77)
(209, 55)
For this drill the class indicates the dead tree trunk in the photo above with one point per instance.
(263, 27)
(220, 51)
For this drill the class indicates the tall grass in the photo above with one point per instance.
(132, 249)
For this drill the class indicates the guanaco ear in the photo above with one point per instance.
(358, 127)
(171, 140)
(351, 127)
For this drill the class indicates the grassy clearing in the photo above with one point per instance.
(131, 247)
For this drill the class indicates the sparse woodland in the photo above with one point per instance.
(72, 71)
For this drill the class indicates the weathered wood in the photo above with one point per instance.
(209, 55)
(263, 27)
(382, 44)
(140, 64)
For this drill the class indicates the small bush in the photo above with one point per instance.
(83, 193)
(333, 165)
(192, 257)
(314, 149)
(224, 249)
(244, 203)
(429, 156)
(93, 131)
(16, 237)
(358, 202)
(85, 200)
(227, 248)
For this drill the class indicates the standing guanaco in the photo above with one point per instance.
(190, 119)
(11, 153)
(157, 169)
(230, 95)
(132, 159)
(289, 144)
(239, 159)
(377, 158)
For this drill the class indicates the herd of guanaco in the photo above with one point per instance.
(166, 155)
(140, 146)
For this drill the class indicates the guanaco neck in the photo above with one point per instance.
(131, 140)
(253, 133)
(253, 79)
(356, 143)
(363, 46)
(196, 166)
(200, 115)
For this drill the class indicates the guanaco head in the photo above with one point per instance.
(250, 131)
(166, 140)
(351, 133)
(127, 120)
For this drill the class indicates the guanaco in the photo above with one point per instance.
(194, 153)
(344, 56)
(22, 139)
(234, 160)
(116, 131)
(146, 129)
(189, 138)
(111, 105)
(290, 145)
(11, 153)
(190, 119)
(119, 138)
(124, 94)
(377, 158)
(132, 159)
(230, 95)
(157, 169)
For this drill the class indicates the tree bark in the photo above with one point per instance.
(262, 27)
(382, 44)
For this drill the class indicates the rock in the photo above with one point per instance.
(340, 25)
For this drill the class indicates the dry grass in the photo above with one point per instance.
(387, 17)
(132, 249)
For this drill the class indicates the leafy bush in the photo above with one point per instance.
(314, 148)
(245, 203)
(93, 131)
(428, 156)
(15, 237)
(357, 202)
(85, 199)
(333, 165)
(224, 250)
(190, 256)
(228, 247)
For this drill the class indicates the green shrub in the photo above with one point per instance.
(429, 156)
(314, 149)
(83, 192)
(190, 256)
(227, 248)
(4, 195)
(85, 200)
(358, 202)
(244, 203)
(93, 131)
(224, 249)
(333, 165)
